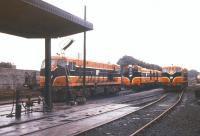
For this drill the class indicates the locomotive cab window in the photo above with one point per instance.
(72, 66)
(130, 71)
(97, 72)
(61, 63)
(178, 69)
(53, 63)
(165, 70)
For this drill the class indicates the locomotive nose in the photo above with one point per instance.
(171, 79)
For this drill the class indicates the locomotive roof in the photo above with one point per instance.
(169, 67)
(38, 19)
(142, 69)
(91, 64)
(174, 68)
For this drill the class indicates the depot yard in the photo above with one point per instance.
(113, 115)
(73, 96)
(182, 121)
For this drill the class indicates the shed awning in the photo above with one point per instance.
(38, 19)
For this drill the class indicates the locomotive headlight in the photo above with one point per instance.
(171, 77)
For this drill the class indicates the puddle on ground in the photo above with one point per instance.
(65, 120)
(158, 110)
(163, 105)
(135, 118)
(50, 119)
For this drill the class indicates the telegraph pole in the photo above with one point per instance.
(84, 54)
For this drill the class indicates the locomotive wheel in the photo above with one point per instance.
(81, 100)
(135, 88)
(105, 91)
(58, 96)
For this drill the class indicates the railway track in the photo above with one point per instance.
(135, 123)
(159, 116)
(104, 113)
(37, 126)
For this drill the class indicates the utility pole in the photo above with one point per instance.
(84, 54)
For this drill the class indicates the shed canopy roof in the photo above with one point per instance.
(38, 19)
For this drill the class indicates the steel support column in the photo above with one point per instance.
(48, 93)
(18, 105)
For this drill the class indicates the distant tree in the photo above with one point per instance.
(129, 60)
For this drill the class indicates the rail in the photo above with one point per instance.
(158, 117)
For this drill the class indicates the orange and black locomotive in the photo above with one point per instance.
(174, 77)
(67, 78)
(141, 78)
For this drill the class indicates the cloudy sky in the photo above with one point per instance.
(161, 32)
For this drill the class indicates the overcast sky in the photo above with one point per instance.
(161, 32)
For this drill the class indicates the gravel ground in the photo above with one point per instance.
(183, 121)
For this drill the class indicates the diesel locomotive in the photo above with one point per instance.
(174, 77)
(101, 78)
(142, 78)
(67, 78)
